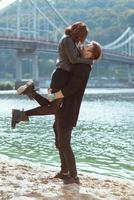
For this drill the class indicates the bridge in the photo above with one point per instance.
(33, 31)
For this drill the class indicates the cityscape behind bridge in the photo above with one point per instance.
(33, 31)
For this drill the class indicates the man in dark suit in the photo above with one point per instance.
(66, 118)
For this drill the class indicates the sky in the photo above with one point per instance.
(4, 3)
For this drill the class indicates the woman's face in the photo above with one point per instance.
(81, 39)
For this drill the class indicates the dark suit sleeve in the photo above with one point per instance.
(77, 80)
(70, 50)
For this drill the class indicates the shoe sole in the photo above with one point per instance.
(22, 89)
(67, 181)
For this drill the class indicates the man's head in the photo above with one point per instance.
(93, 50)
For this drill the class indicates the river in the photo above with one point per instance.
(103, 140)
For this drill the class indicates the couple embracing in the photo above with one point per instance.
(68, 83)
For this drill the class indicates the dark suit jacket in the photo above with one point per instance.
(73, 93)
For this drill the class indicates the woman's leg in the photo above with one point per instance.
(29, 90)
(19, 116)
(48, 109)
(40, 99)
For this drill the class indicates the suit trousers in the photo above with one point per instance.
(63, 144)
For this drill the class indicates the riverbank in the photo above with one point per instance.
(21, 180)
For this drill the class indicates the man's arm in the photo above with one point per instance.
(78, 79)
(73, 86)
(70, 89)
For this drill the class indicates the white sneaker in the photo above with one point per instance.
(21, 89)
(27, 89)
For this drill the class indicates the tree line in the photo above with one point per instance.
(106, 20)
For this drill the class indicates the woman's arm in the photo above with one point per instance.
(71, 53)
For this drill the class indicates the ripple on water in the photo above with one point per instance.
(103, 140)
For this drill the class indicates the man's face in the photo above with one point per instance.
(87, 51)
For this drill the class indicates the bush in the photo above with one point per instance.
(7, 85)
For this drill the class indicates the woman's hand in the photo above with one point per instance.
(51, 97)
(49, 90)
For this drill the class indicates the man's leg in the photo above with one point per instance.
(64, 139)
(64, 166)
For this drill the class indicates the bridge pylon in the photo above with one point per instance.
(31, 55)
(130, 74)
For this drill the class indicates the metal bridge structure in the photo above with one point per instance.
(28, 28)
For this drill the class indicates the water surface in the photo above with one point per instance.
(103, 140)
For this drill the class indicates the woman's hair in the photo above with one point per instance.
(96, 49)
(78, 31)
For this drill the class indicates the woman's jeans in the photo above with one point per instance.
(45, 108)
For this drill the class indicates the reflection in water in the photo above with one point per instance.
(103, 140)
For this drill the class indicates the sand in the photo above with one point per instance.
(21, 180)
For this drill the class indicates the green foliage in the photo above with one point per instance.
(7, 85)
(106, 19)
(130, 17)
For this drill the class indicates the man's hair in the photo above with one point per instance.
(77, 30)
(96, 49)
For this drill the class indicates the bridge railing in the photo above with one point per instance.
(118, 53)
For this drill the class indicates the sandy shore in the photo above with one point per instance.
(26, 181)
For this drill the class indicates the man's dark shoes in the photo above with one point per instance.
(70, 180)
(27, 89)
(61, 175)
(18, 116)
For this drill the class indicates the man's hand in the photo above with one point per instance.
(52, 96)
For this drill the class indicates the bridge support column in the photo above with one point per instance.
(30, 54)
(35, 71)
(18, 69)
(129, 74)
